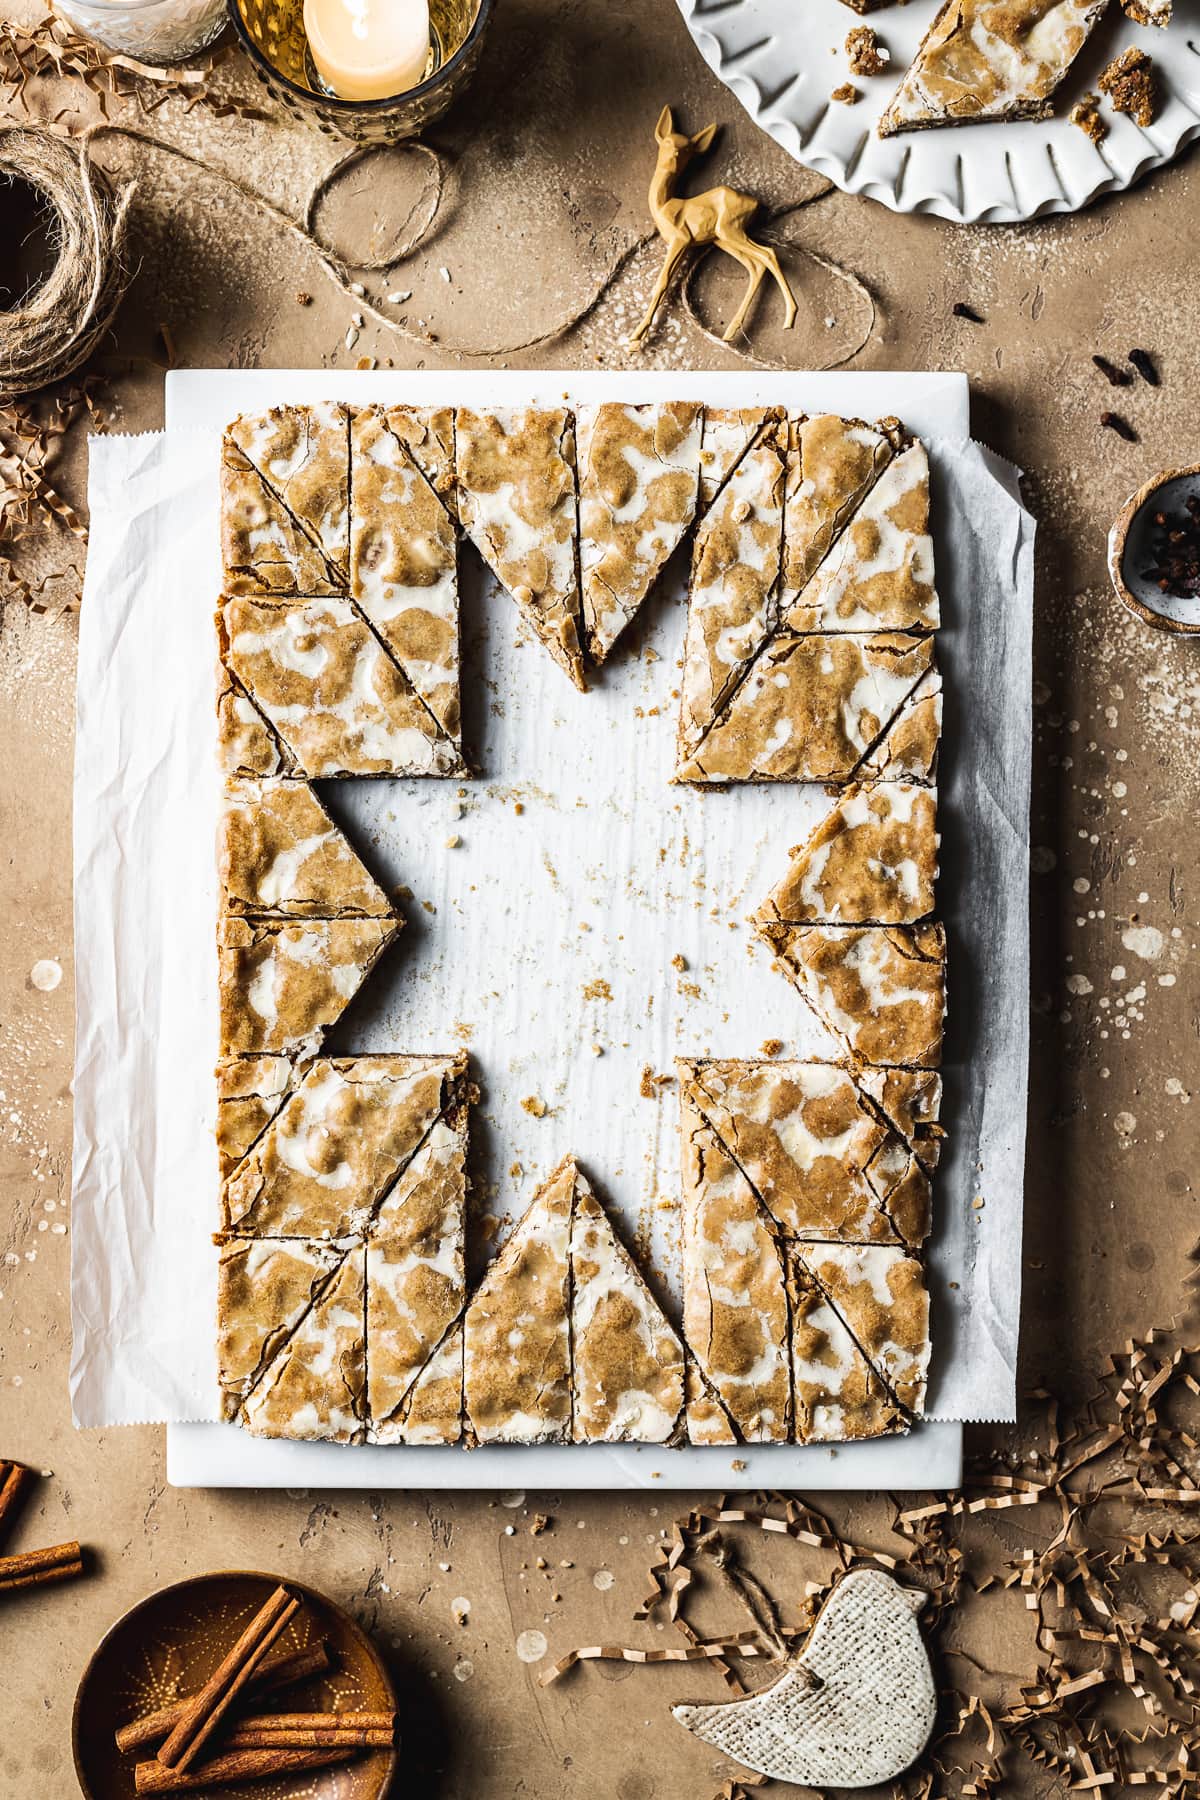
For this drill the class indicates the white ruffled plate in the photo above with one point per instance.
(783, 58)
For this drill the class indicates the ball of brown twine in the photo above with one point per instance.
(59, 323)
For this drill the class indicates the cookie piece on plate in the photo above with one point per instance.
(880, 989)
(735, 1311)
(427, 433)
(282, 986)
(325, 1161)
(878, 575)
(517, 1381)
(832, 464)
(911, 1099)
(416, 1282)
(639, 476)
(315, 1386)
(263, 549)
(707, 1420)
(330, 691)
(908, 749)
(727, 434)
(404, 563)
(734, 591)
(280, 855)
(250, 1091)
(990, 59)
(302, 455)
(264, 1289)
(432, 1411)
(809, 708)
(872, 860)
(515, 474)
(626, 1362)
(839, 1397)
(881, 1294)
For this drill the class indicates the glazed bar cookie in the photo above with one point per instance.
(990, 59)
(820, 1159)
(282, 986)
(880, 989)
(832, 463)
(881, 1294)
(330, 691)
(515, 473)
(264, 1289)
(871, 860)
(246, 745)
(315, 1386)
(707, 1420)
(878, 575)
(809, 708)
(908, 750)
(911, 1100)
(416, 1282)
(727, 434)
(263, 549)
(517, 1344)
(404, 564)
(838, 1397)
(280, 855)
(302, 455)
(324, 1161)
(733, 596)
(250, 1091)
(639, 476)
(735, 1310)
(427, 433)
(626, 1362)
(432, 1412)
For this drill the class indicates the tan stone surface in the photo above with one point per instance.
(1111, 1180)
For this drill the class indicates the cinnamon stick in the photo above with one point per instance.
(204, 1711)
(238, 1765)
(283, 1668)
(310, 1739)
(14, 1479)
(35, 1568)
(317, 1721)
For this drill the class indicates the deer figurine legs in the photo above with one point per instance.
(758, 260)
(677, 248)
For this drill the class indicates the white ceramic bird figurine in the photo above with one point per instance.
(857, 1705)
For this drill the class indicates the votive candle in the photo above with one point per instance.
(368, 49)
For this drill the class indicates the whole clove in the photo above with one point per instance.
(1145, 368)
(1114, 376)
(1121, 426)
(963, 311)
(1175, 547)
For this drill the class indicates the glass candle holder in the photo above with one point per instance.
(154, 31)
(272, 33)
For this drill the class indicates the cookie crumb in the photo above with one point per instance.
(771, 1046)
(1129, 83)
(1086, 114)
(864, 52)
(535, 1107)
(847, 94)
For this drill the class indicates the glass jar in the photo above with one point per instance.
(153, 31)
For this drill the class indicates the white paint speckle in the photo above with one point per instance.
(464, 1668)
(1078, 984)
(460, 1609)
(603, 1579)
(531, 1646)
(45, 975)
(1125, 1124)
(1145, 941)
(513, 1498)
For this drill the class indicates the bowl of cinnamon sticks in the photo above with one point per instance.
(228, 1680)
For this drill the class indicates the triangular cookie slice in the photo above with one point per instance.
(733, 595)
(315, 1387)
(517, 1378)
(427, 433)
(330, 691)
(878, 576)
(416, 1285)
(820, 1160)
(263, 550)
(809, 708)
(250, 1091)
(990, 59)
(302, 454)
(282, 986)
(727, 434)
(432, 1410)
(325, 1161)
(881, 989)
(708, 1423)
(735, 1310)
(908, 750)
(280, 855)
(832, 465)
(404, 564)
(881, 1294)
(264, 1289)
(639, 475)
(911, 1100)
(839, 1397)
(515, 471)
(872, 860)
(626, 1362)
(246, 744)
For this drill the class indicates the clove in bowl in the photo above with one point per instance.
(1154, 551)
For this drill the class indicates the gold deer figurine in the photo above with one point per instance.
(718, 217)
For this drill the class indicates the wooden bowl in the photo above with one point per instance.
(1129, 552)
(169, 1644)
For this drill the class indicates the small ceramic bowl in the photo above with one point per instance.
(1130, 552)
(169, 1644)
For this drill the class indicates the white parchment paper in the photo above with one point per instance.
(545, 938)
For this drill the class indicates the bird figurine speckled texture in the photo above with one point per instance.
(719, 217)
(854, 1708)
